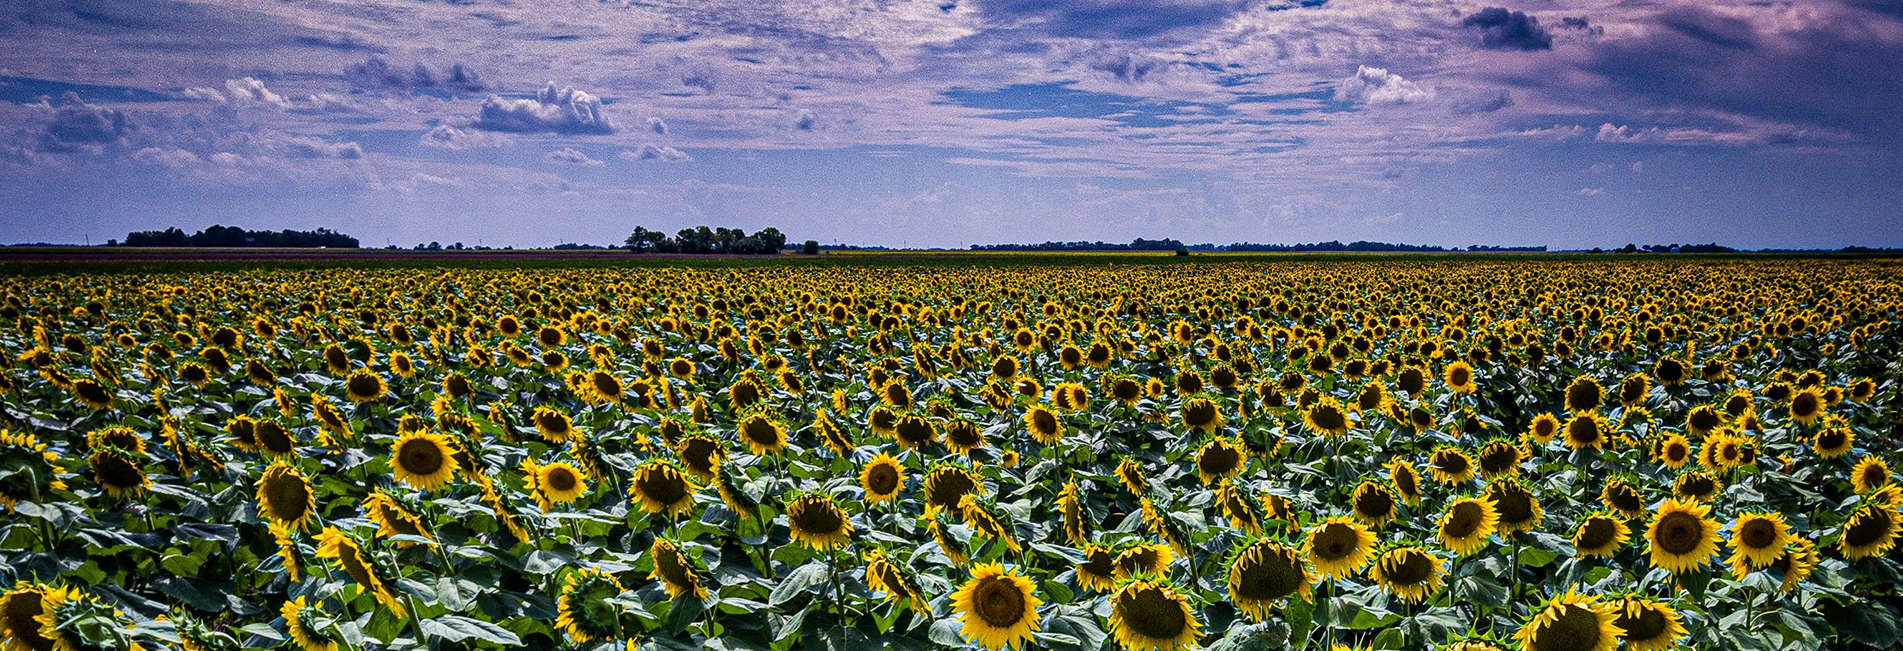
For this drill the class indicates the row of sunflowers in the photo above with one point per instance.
(1469, 454)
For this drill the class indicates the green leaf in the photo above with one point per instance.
(457, 628)
(1870, 623)
(802, 579)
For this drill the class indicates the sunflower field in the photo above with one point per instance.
(1452, 453)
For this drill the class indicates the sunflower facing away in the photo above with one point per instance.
(1409, 573)
(1070, 507)
(1571, 622)
(1263, 573)
(423, 459)
(307, 624)
(347, 555)
(1148, 614)
(583, 610)
(997, 608)
(1681, 537)
(1338, 547)
(394, 518)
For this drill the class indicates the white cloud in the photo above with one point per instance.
(168, 157)
(657, 125)
(553, 110)
(653, 152)
(444, 136)
(1589, 192)
(570, 156)
(1378, 86)
(250, 90)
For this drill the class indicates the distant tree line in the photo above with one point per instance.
(1166, 244)
(233, 236)
(704, 240)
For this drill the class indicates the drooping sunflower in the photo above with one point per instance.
(1648, 625)
(882, 478)
(1148, 614)
(302, 620)
(91, 393)
(1681, 538)
(1098, 572)
(1200, 414)
(423, 459)
(701, 455)
(1406, 480)
(891, 578)
(817, 522)
(673, 570)
(1408, 572)
(1599, 534)
(1240, 506)
(1622, 498)
(1141, 558)
(1263, 573)
(948, 483)
(1757, 540)
(996, 608)
(1070, 507)
(1518, 508)
(763, 434)
(118, 473)
(1373, 503)
(1131, 476)
(1870, 474)
(1218, 459)
(661, 488)
(1449, 465)
(1464, 528)
(1871, 530)
(284, 497)
(1571, 622)
(1338, 547)
(583, 610)
(962, 436)
(347, 555)
(1326, 417)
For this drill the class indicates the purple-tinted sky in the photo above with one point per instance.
(1569, 123)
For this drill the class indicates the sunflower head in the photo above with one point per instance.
(1218, 459)
(817, 522)
(661, 488)
(1681, 538)
(1449, 465)
(1200, 414)
(423, 459)
(1871, 530)
(1327, 417)
(1599, 534)
(1647, 625)
(120, 474)
(673, 569)
(1465, 526)
(1338, 547)
(583, 610)
(882, 478)
(996, 608)
(1262, 573)
(285, 498)
(1148, 614)
(1408, 572)
(1571, 622)
(1870, 474)
(1373, 503)
(1518, 508)
(1757, 540)
(763, 434)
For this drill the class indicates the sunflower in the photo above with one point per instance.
(763, 434)
(673, 570)
(1449, 465)
(1833, 442)
(559, 483)
(726, 482)
(118, 473)
(946, 484)
(284, 497)
(1144, 558)
(20, 609)
(1599, 534)
(1797, 562)
(1518, 508)
(701, 455)
(1757, 540)
(122, 438)
(1499, 457)
(1459, 377)
(817, 522)
(1587, 431)
(1201, 414)
(962, 436)
(1807, 406)
(1871, 530)
(1647, 625)
(1695, 485)
(1373, 503)
(306, 624)
(1544, 428)
(423, 459)
(661, 488)
(91, 393)
(1262, 573)
(1869, 474)
(1071, 508)
(996, 608)
(882, 478)
(1571, 622)
(1130, 474)
(1681, 537)
(1633, 389)
(1240, 507)
(1218, 459)
(393, 518)
(1147, 614)
(1070, 397)
(1673, 452)
(1464, 528)
(1326, 417)
(1622, 498)
(1584, 394)
(1098, 572)
(1406, 480)
(1408, 572)
(1670, 371)
(884, 575)
(583, 610)
(347, 555)
(1338, 547)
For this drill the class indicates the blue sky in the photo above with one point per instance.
(951, 122)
